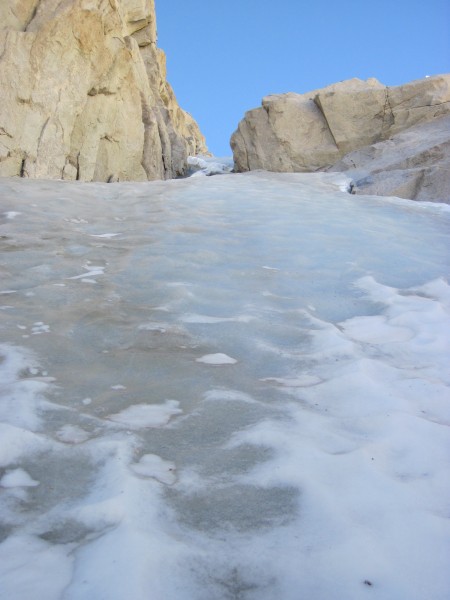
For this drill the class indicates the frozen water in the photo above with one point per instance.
(209, 165)
(252, 401)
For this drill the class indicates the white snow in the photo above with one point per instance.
(39, 327)
(316, 467)
(158, 327)
(33, 568)
(209, 165)
(225, 395)
(151, 465)
(141, 416)
(92, 271)
(303, 381)
(17, 478)
(106, 236)
(11, 214)
(216, 359)
(71, 434)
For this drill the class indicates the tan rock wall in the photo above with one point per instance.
(85, 96)
(309, 132)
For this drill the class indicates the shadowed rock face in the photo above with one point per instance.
(323, 130)
(85, 96)
(412, 164)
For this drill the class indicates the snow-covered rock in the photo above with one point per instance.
(209, 165)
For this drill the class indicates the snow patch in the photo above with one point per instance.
(217, 359)
(141, 416)
(151, 465)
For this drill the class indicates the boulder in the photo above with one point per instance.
(414, 164)
(314, 131)
(85, 95)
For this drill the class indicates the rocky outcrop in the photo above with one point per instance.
(356, 125)
(414, 164)
(84, 93)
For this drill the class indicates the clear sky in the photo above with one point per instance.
(223, 57)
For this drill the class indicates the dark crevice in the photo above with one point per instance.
(426, 106)
(100, 92)
(322, 112)
(4, 132)
(165, 146)
(22, 168)
(388, 118)
(33, 14)
(44, 127)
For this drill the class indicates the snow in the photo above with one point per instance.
(11, 214)
(151, 465)
(253, 402)
(71, 434)
(217, 359)
(207, 165)
(24, 561)
(17, 478)
(107, 236)
(147, 415)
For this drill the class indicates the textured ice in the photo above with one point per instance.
(306, 456)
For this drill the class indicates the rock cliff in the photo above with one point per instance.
(413, 164)
(84, 94)
(360, 126)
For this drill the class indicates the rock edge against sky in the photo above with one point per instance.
(85, 96)
(391, 140)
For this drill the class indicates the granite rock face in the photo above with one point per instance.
(84, 93)
(355, 125)
(414, 164)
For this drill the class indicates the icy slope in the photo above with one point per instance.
(219, 388)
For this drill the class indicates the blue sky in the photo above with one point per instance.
(223, 57)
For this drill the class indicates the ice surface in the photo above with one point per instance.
(252, 402)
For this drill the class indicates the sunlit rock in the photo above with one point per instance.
(314, 131)
(85, 95)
